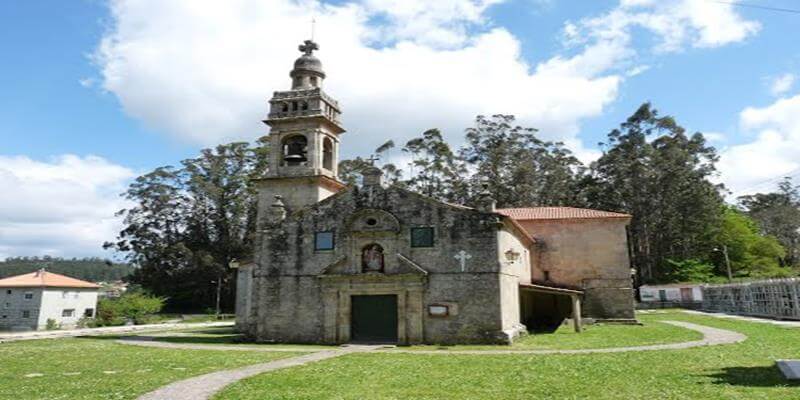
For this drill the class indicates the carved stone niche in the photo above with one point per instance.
(373, 221)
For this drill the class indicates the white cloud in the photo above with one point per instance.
(210, 80)
(782, 84)
(441, 23)
(64, 207)
(678, 23)
(758, 165)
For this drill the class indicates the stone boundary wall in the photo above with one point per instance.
(773, 298)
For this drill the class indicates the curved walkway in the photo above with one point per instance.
(711, 337)
(203, 387)
(151, 341)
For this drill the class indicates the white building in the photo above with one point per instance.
(28, 301)
(675, 293)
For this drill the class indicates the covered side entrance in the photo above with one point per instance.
(374, 318)
(544, 308)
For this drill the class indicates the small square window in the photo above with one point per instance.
(8, 291)
(28, 295)
(8, 305)
(323, 241)
(422, 237)
(88, 313)
(70, 312)
(26, 314)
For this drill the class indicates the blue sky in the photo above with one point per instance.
(96, 93)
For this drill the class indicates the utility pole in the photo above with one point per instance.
(727, 262)
(219, 294)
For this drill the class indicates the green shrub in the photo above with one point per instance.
(52, 325)
(137, 307)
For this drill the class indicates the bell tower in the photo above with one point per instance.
(303, 139)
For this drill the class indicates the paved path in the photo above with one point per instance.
(204, 386)
(31, 335)
(711, 337)
(788, 324)
(151, 341)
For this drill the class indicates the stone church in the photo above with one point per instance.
(377, 263)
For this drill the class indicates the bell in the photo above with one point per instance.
(294, 158)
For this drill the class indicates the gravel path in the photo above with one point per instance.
(205, 386)
(711, 337)
(784, 323)
(151, 341)
(32, 335)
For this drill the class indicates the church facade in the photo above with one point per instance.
(377, 263)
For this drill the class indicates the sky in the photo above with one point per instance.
(95, 93)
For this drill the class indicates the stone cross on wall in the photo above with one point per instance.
(308, 47)
(462, 257)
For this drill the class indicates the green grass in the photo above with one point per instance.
(739, 371)
(99, 368)
(593, 337)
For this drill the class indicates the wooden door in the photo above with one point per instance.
(373, 319)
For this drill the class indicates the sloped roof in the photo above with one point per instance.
(42, 278)
(555, 213)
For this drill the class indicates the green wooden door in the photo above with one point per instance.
(374, 319)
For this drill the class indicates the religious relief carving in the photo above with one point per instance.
(372, 258)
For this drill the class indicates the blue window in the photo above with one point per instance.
(323, 241)
(422, 237)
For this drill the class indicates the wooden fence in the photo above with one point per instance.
(773, 298)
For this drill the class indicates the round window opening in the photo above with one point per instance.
(372, 221)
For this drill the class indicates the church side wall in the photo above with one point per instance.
(515, 265)
(591, 254)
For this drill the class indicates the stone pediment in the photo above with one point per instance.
(373, 220)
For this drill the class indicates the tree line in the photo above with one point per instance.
(90, 269)
(190, 222)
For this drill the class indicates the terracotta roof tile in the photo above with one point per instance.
(545, 213)
(43, 278)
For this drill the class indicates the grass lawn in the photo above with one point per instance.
(739, 371)
(99, 368)
(593, 337)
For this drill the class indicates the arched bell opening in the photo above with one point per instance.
(327, 154)
(295, 149)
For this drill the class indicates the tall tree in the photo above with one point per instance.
(437, 170)
(664, 183)
(189, 223)
(778, 214)
(520, 169)
(750, 253)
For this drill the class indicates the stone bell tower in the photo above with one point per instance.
(304, 138)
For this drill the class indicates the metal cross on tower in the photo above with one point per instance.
(373, 158)
(308, 47)
(462, 257)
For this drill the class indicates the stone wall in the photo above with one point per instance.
(589, 254)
